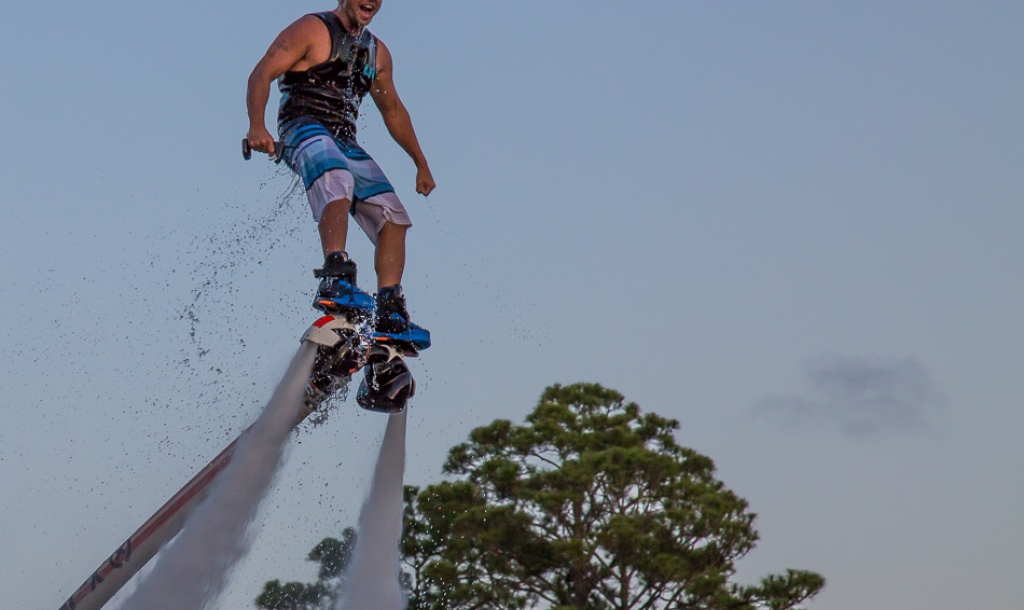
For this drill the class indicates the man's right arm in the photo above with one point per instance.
(291, 47)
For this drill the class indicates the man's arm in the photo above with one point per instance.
(291, 47)
(397, 120)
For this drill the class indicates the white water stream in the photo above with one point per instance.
(372, 578)
(192, 571)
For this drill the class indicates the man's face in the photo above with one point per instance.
(361, 11)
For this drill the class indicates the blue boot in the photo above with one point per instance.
(338, 293)
(393, 322)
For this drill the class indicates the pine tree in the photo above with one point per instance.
(590, 505)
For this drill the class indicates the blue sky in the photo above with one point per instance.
(793, 226)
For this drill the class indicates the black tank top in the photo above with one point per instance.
(332, 91)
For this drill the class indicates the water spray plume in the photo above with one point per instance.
(372, 580)
(192, 571)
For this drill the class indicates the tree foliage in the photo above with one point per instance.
(333, 556)
(590, 505)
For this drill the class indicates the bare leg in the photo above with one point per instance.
(389, 258)
(334, 226)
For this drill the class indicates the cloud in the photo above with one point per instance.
(862, 396)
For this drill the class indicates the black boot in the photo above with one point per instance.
(338, 291)
(393, 319)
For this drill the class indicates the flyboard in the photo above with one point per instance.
(343, 347)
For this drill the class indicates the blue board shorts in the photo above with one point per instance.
(338, 168)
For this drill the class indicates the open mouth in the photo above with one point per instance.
(366, 10)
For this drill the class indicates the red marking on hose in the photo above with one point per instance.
(198, 483)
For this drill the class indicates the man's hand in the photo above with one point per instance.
(424, 181)
(261, 140)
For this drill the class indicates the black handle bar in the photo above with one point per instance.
(275, 156)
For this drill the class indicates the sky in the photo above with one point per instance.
(793, 226)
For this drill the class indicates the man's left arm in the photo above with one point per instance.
(397, 120)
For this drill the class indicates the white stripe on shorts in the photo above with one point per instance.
(371, 213)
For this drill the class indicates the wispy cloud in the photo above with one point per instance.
(862, 396)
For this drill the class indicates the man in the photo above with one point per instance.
(327, 62)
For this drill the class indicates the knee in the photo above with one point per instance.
(391, 230)
(336, 208)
